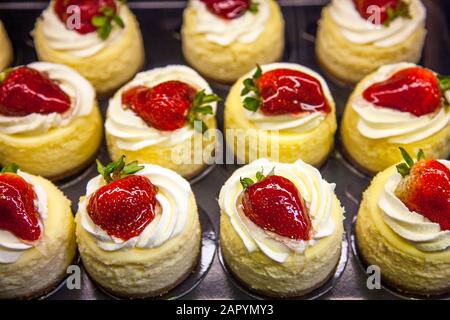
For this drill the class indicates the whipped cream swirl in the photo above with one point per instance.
(80, 91)
(130, 131)
(409, 225)
(396, 126)
(318, 196)
(358, 30)
(173, 198)
(12, 247)
(61, 38)
(290, 122)
(244, 29)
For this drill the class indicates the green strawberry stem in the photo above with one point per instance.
(117, 169)
(200, 107)
(401, 10)
(10, 168)
(253, 102)
(404, 168)
(104, 22)
(247, 182)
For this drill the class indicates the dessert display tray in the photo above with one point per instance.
(160, 23)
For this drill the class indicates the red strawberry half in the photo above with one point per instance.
(169, 105)
(388, 10)
(95, 15)
(18, 213)
(425, 189)
(274, 204)
(284, 91)
(126, 205)
(24, 91)
(415, 90)
(230, 9)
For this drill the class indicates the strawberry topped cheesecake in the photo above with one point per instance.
(138, 229)
(281, 227)
(164, 116)
(37, 234)
(6, 51)
(282, 111)
(403, 225)
(223, 39)
(98, 38)
(355, 37)
(400, 105)
(49, 120)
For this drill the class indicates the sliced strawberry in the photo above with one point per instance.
(24, 91)
(127, 204)
(230, 9)
(284, 91)
(169, 105)
(18, 213)
(274, 204)
(95, 15)
(414, 90)
(425, 189)
(389, 10)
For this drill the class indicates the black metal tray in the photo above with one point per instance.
(160, 23)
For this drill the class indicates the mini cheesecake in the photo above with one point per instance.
(105, 47)
(164, 116)
(37, 235)
(138, 229)
(281, 227)
(403, 225)
(282, 111)
(223, 39)
(400, 105)
(6, 51)
(50, 124)
(355, 37)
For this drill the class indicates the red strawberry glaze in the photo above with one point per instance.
(227, 9)
(414, 90)
(26, 91)
(88, 9)
(18, 213)
(275, 205)
(164, 107)
(287, 91)
(426, 190)
(124, 207)
(363, 7)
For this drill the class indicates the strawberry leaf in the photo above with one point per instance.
(131, 168)
(246, 182)
(403, 169)
(420, 155)
(199, 108)
(99, 21)
(444, 82)
(251, 104)
(400, 10)
(10, 168)
(254, 6)
(4, 74)
(204, 110)
(118, 20)
(409, 161)
(117, 169)
(260, 176)
(103, 22)
(254, 101)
